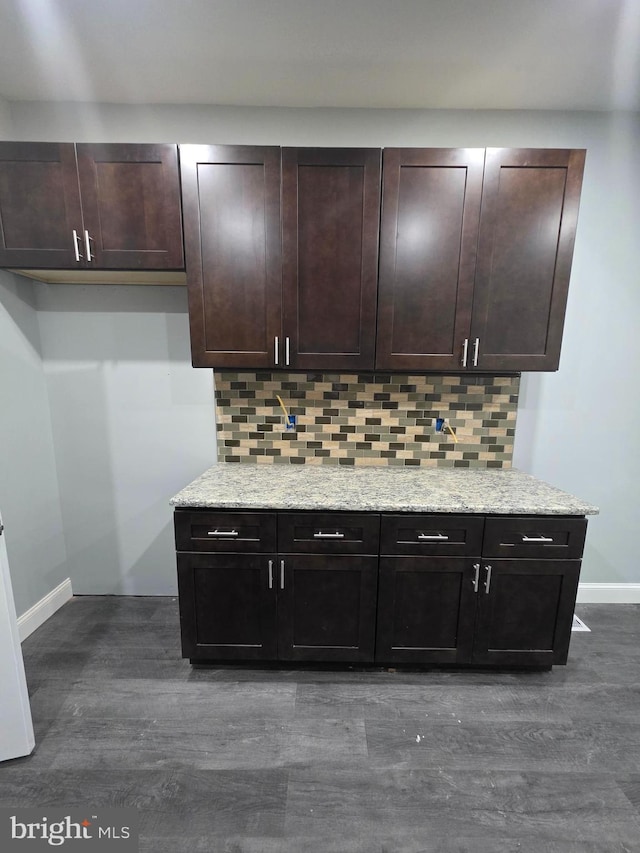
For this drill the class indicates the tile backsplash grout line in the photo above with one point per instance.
(352, 419)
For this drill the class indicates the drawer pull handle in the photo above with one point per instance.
(537, 539)
(281, 574)
(222, 533)
(87, 243)
(270, 574)
(476, 351)
(476, 577)
(321, 535)
(76, 245)
(432, 537)
(487, 582)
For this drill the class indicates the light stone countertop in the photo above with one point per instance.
(378, 489)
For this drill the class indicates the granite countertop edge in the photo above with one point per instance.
(378, 489)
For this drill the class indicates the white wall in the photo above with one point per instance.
(577, 428)
(565, 431)
(132, 423)
(5, 119)
(29, 495)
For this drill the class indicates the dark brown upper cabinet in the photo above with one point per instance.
(428, 241)
(231, 198)
(330, 224)
(39, 205)
(131, 206)
(475, 257)
(528, 223)
(101, 207)
(289, 285)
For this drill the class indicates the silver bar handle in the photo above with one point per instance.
(87, 243)
(217, 532)
(281, 574)
(287, 351)
(270, 574)
(276, 347)
(437, 537)
(487, 582)
(321, 535)
(537, 539)
(76, 245)
(476, 351)
(476, 577)
(465, 352)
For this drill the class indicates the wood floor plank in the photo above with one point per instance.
(465, 743)
(172, 805)
(140, 699)
(428, 804)
(434, 702)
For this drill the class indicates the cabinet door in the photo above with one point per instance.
(525, 611)
(426, 610)
(231, 199)
(429, 233)
(227, 606)
(527, 231)
(331, 213)
(131, 206)
(39, 206)
(326, 607)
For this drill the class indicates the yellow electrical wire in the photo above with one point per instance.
(455, 438)
(284, 408)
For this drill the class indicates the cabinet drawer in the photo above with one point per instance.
(225, 531)
(328, 533)
(434, 535)
(535, 536)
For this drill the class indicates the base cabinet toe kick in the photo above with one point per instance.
(377, 588)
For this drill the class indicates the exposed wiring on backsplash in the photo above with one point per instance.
(455, 437)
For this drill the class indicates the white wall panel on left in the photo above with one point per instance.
(5, 119)
(132, 423)
(29, 494)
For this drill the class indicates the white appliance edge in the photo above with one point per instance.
(16, 728)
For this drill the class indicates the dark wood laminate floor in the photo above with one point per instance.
(229, 760)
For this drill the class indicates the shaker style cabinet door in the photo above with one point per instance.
(527, 231)
(231, 200)
(39, 206)
(327, 607)
(525, 610)
(330, 223)
(227, 606)
(428, 238)
(130, 206)
(426, 610)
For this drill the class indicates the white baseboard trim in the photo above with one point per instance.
(608, 593)
(37, 615)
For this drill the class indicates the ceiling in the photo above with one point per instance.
(456, 54)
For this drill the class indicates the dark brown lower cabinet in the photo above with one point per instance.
(314, 586)
(227, 611)
(429, 611)
(327, 608)
(426, 610)
(277, 607)
(525, 610)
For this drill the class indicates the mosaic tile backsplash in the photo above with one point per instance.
(377, 419)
